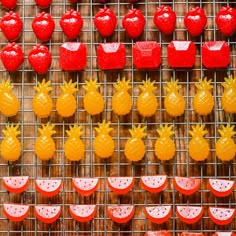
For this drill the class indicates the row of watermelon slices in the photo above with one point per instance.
(166, 233)
(120, 214)
(120, 185)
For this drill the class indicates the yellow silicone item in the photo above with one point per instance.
(165, 146)
(9, 104)
(103, 143)
(10, 146)
(74, 147)
(42, 102)
(198, 146)
(45, 145)
(135, 147)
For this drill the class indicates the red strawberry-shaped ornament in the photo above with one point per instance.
(11, 25)
(9, 4)
(12, 56)
(134, 23)
(105, 21)
(43, 26)
(43, 3)
(71, 23)
(40, 58)
(226, 20)
(195, 21)
(165, 19)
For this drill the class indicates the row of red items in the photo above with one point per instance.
(166, 233)
(120, 214)
(112, 56)
(133, 22)
(120, 185)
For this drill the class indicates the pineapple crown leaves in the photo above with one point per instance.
(75, 131)
(198, 130)
(104, 128)
(44, 87)
(204, 84)
(227, 131)
(91, 85)
(122, 85)
(5, 86)
(229, 83)
(172, 86)
(11, 131)
(47, 130)
(165, 130)
(138, 132)
(69, 87)
(148, 86)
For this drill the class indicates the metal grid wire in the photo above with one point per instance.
(25, 79)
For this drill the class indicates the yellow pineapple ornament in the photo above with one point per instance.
(135, 147)
(121, 101)
(44, 145)
(229, 95)
(198, 146)
(93, 100)
(9, 104)
(74, 147)
(203, 101)
(10, 146)
(103, 143)
(165, 146)
(147, 102)
(225, 146)
(174, 102)
(66, 103)
(42, 102)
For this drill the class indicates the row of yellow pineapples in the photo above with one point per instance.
(104, 145)
(147, 102)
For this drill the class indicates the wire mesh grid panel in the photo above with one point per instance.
(25, 79)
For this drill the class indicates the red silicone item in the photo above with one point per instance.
(147, 55)
(111, 56)
(215, 54)
(181, 54)
(72, 56)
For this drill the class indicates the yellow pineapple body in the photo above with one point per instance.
(121, 103)
(229, 95)
(45, 145)
(104, 145)
(93, 103)
(165, 147)
(9, 104)
(199, 149)
(203, 101)
(229, 100)
(198, 146)
(135, 147)
(169, 149)
(66, 105)
(74, 147)
(225, 147)
(10, 146)
(147, 102)
(42, 103)
(44, 148)
(66, 102)
(174, 102)
(93, 100)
